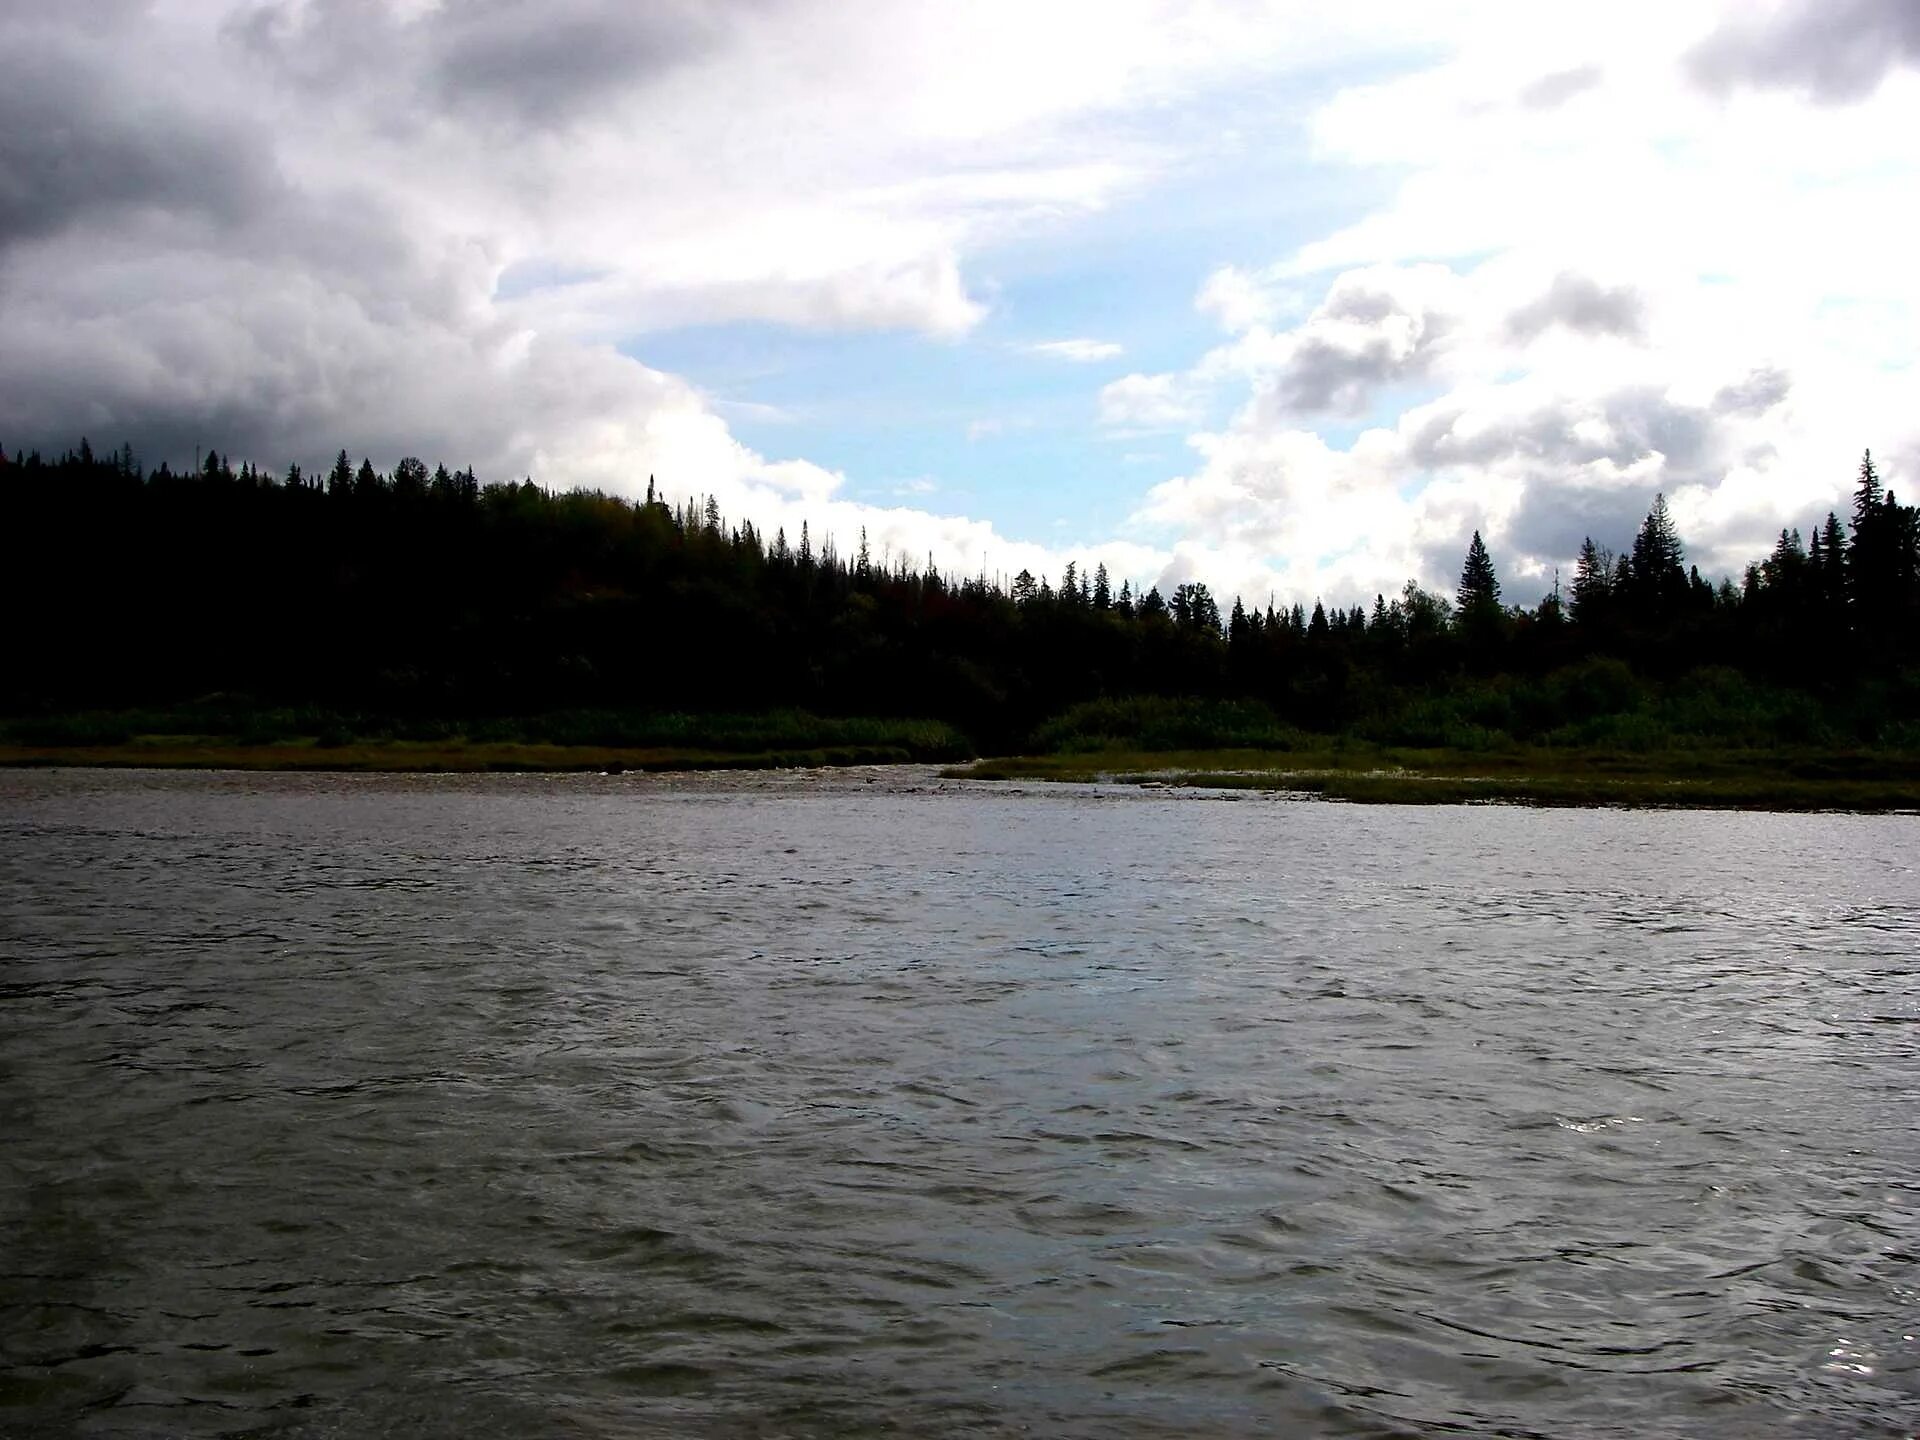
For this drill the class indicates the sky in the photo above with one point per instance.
(1286, 297)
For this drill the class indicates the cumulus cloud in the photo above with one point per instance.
(1376, 327)
(122, 154)
(1577, 293)
(1571, 253)
(284, 226)
(1754, 393)
(1545, 429)
(1239, 299)
(1582, 304)
(1834, 50)
(1536, 469)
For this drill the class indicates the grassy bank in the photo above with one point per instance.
(1372, 774)
(224, 734)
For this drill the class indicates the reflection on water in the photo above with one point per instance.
(867, 1104)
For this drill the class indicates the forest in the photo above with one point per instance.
(423, 603)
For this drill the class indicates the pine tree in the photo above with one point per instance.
(1835, 535)
(1874, 560)
(1479, 592)
(1868, 495)
(1102, 589)
(1657, 582)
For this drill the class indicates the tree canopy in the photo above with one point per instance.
(424, 591)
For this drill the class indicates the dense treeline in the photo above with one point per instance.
(423, 593)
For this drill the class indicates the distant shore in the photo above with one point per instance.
(221, 733)
(1866, 782)
(426, 757)
(1719, 780)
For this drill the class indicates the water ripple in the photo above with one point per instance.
(803, 1105)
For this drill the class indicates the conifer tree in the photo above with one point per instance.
(1657, 577)
(1479, 592)
(1868, 494)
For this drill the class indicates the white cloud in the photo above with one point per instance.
(1666, 242)
(1079, 350)
(1593, 281)
(1239, 299)
(1149, 402)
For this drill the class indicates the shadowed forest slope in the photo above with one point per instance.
(422, 594)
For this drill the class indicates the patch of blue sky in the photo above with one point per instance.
(537, 273)
(986, 425)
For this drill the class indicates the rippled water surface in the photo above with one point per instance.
(861, 1104)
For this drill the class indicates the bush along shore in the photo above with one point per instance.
(226, 616)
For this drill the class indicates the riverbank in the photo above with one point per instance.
(418, 757)
(229, 734)
(1866, 781)
(1795, 779)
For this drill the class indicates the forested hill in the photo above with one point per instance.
(426, 594)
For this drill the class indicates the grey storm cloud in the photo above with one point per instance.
(1636, 422)
(175, 272)
(1564, 501)
(1581, 304)
(539, 66)
(1555, 520)
(1834, 50)
(553, 62)
(1348, 348)
(63, 163)
(1560, 507)
(1327, 376)
(1758, 393)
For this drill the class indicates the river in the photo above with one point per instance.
(870, 1104)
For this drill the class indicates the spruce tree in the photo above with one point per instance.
(1868, 495)
(1479, 592)
(1657, 576)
